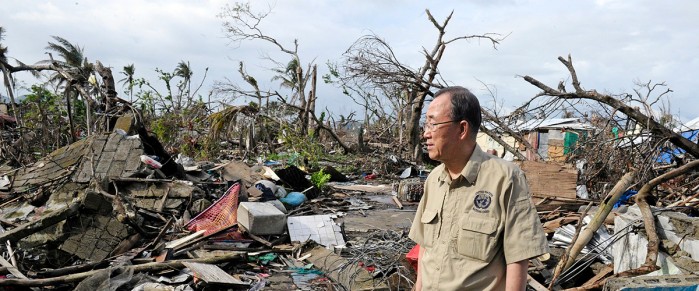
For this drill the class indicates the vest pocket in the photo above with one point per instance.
(429, 220)
(477, 238)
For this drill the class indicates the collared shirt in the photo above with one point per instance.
(473, 226)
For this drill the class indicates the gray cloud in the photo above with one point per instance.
(613, 43)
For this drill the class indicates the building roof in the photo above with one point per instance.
(690, 125)
(552, 123)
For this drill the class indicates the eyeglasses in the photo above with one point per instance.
(431, 127)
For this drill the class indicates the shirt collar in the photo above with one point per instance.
(470, 171)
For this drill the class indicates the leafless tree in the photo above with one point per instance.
(503, 123)
(630, 133)
(648, 122)
(372, 60)
(241, 23)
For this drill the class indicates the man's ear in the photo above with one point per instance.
(465, 130)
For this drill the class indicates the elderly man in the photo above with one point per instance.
(476, 224)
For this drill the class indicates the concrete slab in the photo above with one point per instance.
(261, 218)
(319, 228)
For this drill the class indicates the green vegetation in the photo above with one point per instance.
(319, 179)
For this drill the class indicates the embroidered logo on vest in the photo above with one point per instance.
(482, 201)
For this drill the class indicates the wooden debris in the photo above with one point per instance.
(178, 242)
(606, 271)
(12, 269)
(395, 199)
(535, 285)
(202, 238)
(260, 240)
(212, 274)
(551, 225)
(148, 267)
(551, 179)
(72, 269)
(649, 219)
(567, 255)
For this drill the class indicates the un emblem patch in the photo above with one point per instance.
(482, 201)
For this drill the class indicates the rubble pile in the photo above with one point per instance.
(608, 243)
(112, 211)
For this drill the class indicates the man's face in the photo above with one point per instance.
(442, 140)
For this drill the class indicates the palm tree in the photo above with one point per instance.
(8, 81)
(74, 60)
(128, 79)
(184, 71)
(292, 76)
(73, 70)
(72, 54)
(289, 77)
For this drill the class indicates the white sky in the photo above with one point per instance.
(613, 42)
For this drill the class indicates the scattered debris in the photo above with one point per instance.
(116, 211)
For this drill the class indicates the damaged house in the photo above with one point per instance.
(78, 202)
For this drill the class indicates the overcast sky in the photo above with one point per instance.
(614, 43)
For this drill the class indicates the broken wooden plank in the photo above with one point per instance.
(604, 273)
(180, 241)
(71, 269)
(552, 225)
(535, 284)
(202, 238)
(260, 240)
(350, 276)
(212, 274)
(395, 199)
(161, 205)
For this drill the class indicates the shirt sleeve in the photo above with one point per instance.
(524, 236)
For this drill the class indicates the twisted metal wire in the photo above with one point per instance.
(383, 250)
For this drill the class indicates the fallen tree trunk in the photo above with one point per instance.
(148, 267)
(649, 220)
(649, 224)
(654, 126)
(604, 208)
(566, 256)
(503, 144)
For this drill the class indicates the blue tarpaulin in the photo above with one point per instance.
(666, 154)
